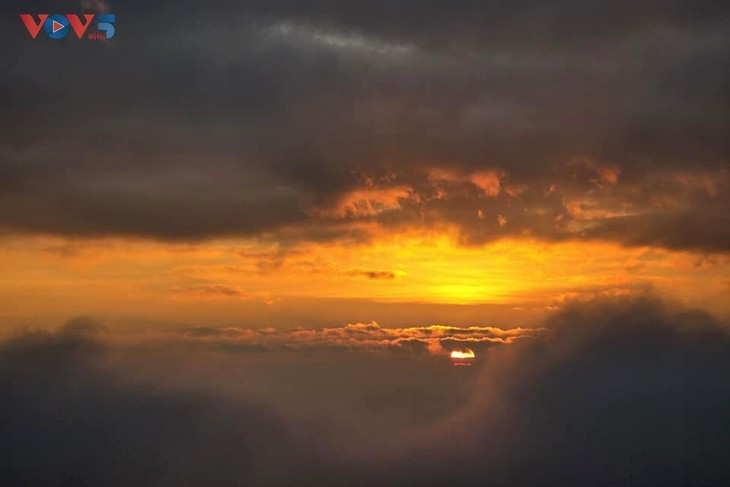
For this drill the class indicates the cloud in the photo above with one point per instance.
(69, 420)
(624, 388)
(99, 6)
(366, 202)
(364, 337)
(619, 389)
(211, 291)
(274, 119)
(373, 274)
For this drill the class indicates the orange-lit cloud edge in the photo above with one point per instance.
(371, 337)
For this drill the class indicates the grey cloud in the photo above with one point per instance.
(704, 228)
(71, 421)
(619, 389)
(244, 119)
(626, 390)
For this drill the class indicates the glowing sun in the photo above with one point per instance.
(462, 357)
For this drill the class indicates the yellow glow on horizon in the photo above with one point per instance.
(61, 277)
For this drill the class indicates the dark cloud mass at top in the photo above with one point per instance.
(600, 120)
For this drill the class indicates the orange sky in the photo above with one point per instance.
(255, 283)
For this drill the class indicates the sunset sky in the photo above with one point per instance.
(336, 192)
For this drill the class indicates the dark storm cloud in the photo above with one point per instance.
(69, 421)
(619, 391)
(622, 391)
(243, 118)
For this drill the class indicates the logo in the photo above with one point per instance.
(57, 26)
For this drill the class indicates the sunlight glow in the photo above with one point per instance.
(50, 277)
(463, 357)
(466, 353)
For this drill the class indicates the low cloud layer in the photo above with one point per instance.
(67, 422)
(360, 337)
(624, 391)
(619, 391)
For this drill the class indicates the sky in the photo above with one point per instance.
(259, 228)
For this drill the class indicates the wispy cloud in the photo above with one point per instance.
(362, 337)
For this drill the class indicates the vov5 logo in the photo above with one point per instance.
(58, 26)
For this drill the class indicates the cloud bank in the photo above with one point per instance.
(621, 391)
(301, 120)
(360, 337)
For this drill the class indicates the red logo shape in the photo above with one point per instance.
(33, 28)
(76, 24)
